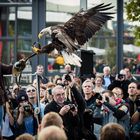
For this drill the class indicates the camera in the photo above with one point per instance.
(99, 97)
(120, 76)
(72, 107)
(27, 108)
(67, 77)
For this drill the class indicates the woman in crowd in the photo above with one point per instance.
(98, 87)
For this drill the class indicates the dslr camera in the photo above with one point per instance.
(72, 107)
(99, 97)
(120, 76)
(27, 108)
(67, 77)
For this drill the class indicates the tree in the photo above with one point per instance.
(133, 14)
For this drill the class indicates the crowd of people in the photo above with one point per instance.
(70, 108)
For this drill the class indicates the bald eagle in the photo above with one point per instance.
(70, 36)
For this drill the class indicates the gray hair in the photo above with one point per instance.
(106, 68)
(57, 88)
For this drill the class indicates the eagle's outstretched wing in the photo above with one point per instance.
(84, 24)
(76, 32)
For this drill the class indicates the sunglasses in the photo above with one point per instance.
(31, 90)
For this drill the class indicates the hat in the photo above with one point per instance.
(22, 96)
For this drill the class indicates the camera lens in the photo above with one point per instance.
(27, 108)
(67, 77)
(120, 76)
(72, 107)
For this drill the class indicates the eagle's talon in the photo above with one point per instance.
(36, 48)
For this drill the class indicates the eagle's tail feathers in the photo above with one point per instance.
(71, 58)
(65, 56)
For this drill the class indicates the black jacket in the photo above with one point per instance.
(72, 123)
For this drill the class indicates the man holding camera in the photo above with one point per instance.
(122, 82)
(70, 112)
(26, 122)
(114, 112)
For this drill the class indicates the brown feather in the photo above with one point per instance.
(77, 31)
(86, 23)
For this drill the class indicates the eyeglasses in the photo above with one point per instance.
(131, 87)
(31, 90)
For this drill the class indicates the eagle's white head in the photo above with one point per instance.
(45, 31)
